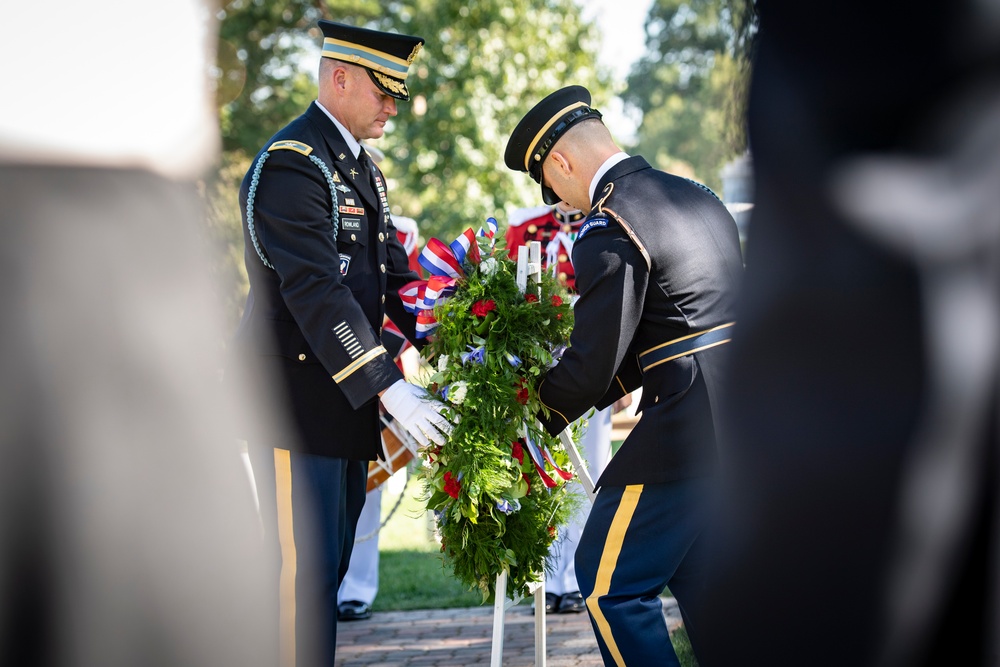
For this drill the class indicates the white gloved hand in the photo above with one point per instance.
(419, 414)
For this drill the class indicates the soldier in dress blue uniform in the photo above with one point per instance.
(658, 266)
(325, 266)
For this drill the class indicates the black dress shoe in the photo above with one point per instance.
(571, 603)
(551, 604)
(353, 610)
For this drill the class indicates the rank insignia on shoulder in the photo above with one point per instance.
(288, 144)
(599, 221)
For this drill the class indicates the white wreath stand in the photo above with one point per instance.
(529, 267)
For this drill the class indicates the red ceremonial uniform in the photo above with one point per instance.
(555, 229)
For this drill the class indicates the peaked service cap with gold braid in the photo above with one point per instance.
(385, 55)
(537, 133)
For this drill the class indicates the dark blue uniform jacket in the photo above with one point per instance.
(658, 259)
(325, 266)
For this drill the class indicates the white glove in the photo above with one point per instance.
(419, 414)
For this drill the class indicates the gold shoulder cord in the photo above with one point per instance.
(632, 235)
(608, 189)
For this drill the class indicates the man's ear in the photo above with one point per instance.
(339, 77)
(562, 163)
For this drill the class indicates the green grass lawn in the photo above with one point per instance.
(412, 573)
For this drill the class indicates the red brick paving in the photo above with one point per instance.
(457, 637)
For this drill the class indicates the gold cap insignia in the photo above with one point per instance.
(413, 54)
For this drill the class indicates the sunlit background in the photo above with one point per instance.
(669, 75)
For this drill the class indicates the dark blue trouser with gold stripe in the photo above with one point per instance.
(309, 506)
(638, 540)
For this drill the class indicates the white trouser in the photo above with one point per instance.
(361, 581)
(596, 446)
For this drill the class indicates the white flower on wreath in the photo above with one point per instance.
(457, 392)
(488, 266)
(442, 363)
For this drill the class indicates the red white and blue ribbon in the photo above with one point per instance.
(444, 264)
(539, 456)
(466, 245)
(490, 231)
(440, 260)
(438, 287)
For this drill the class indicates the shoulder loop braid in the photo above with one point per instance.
(624, 224)
(252, 193)
(702, 186)
(608, 189)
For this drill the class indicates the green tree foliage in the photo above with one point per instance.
(483, 65)
(266, 63)
(691, 85)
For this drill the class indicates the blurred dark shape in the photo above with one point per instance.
(128, 533)
(860, 520)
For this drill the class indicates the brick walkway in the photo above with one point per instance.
(456, 637)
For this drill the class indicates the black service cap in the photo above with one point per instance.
(385, 55)
(540, 129)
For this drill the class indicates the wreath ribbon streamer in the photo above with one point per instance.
(540, 456)
(444, 264)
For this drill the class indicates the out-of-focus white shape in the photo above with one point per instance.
(120, 83)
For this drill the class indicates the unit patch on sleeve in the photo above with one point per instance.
(591, 224)
(345, 263)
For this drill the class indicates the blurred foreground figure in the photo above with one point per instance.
(862, 498)
(127, 527)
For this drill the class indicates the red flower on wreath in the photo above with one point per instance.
(556, 300)
(451, 485)
(552, 532)
(522, 393)
(518, 452)
(481, 308)
(531, 297)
